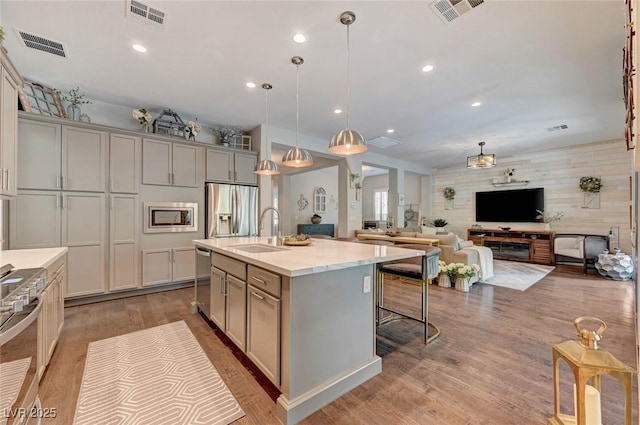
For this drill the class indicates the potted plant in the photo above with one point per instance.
(225, 134)
(75, 99)
(464, 275)
(439, 224)
(549, 218)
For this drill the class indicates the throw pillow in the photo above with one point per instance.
(428, 230)
(465, 244)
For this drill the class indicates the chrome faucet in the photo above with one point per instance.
(261, 223)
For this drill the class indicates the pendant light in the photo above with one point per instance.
(481, 161)
(297, 157)
(348, 141)
(266, 167)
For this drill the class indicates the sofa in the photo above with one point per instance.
(454, 249)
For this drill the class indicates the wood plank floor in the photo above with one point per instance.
(491, 365)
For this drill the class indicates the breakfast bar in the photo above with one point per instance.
(320, 301)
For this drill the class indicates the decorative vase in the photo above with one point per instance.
(145, 127)
(316, 219)
(440, 230)
(444, 280)
(85, 118)
(547, 226)
(74, 112)
(462, 283)
(508, 179)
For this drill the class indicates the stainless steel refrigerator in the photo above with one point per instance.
(231, 210)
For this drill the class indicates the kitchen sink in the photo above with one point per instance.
(257, 248)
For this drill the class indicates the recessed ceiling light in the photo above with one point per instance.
(299, 38)
(390, 130)
(139, 48)
(427, 68)
(251, 85)
(337, 111)
(476, 104)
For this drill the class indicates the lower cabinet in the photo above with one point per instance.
(168, 265)
(51, 318)
(229, 298)
(263, 321)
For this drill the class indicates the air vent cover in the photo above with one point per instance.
(146, 14)
(382, 142)
(448, 10)
(41, 43)
(558, 127)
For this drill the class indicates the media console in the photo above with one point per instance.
(532, 246)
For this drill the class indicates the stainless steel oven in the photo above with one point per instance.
(19, 310)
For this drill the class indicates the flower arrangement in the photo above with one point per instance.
(439, 222)
(510, 172)
(548, 217)
(224, 133)
(143, 117)
(449, 193)
(590, 184)
(194, 127)
(75, 98)
(454, 270)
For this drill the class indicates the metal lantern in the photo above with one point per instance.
(171, 124)
(588, 362)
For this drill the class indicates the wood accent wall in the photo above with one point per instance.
(558, 171)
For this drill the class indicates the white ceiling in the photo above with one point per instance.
(532, 64)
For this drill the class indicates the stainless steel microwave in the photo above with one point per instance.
(166, 217)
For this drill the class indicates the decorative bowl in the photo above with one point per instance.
(297, 243)
(505, 228)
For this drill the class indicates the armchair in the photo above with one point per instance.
(578, 248)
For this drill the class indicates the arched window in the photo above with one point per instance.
(319, 200)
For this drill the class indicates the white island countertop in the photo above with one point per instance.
(31, 258)
(320, 256)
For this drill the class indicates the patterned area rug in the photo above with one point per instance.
(516, 275)
(12, 376)
(155, 376)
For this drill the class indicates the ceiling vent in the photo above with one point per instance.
(382, 142)
(558, 127)
(146, 14)
(41, 43)
(448, 10)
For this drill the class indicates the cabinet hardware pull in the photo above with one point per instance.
(235, 175)
(61, 181)
(57, 181)
(6, 170)
(257, 296)
(61, 201)
(257, 279)
(229, 174)
(112, 202)
(2, 176)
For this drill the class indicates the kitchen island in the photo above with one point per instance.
(310, 313)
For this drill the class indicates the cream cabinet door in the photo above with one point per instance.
(263, 333)
(218, 298)
(124, 163)
(123, 242)
(8, 134)
(39, 152)
(84, 159)
(245, 163)
(184, 263)
(185, 165)
(220, 166)
(35, 218)
(156, 162)
(156, 266)
(83, 233)
(237, 311)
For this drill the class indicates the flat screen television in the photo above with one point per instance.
(510, 205)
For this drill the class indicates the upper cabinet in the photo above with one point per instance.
(8, 125)
(231, 167)
(169, 164)
(124, 163)
(55, 157)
